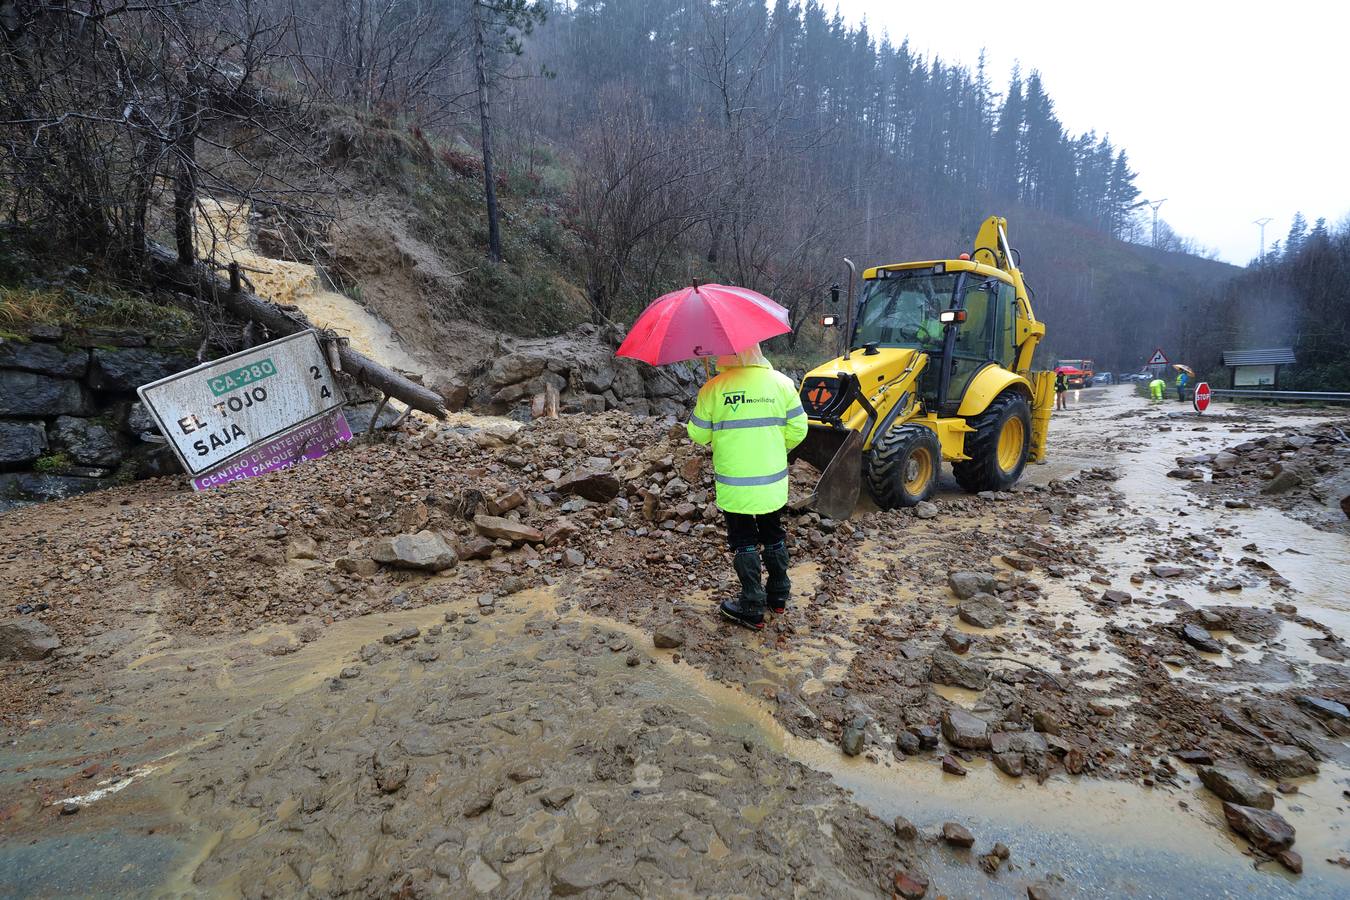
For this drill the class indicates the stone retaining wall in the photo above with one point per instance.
(582, 368)
(70, 421)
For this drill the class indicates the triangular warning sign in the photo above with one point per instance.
(1157, 359)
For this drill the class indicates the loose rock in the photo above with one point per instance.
(1268, 831)
(961, 729)
(967, 584)
(948, 668)
(425, 550)
(1200, 639)
(957, 835)
(982, 611)
(1236, 786)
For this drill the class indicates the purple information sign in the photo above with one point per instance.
(309, 441)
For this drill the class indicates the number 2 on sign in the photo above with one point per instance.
(324, 392)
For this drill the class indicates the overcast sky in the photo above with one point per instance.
(1232, 111)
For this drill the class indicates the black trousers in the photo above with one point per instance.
(744, 530)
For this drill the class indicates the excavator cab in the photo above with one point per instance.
(936, 367)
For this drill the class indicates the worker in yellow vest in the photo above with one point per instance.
(752, 417)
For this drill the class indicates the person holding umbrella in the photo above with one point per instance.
(751, 417)
(1184, 375)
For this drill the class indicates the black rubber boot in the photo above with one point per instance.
(748, 608)
(778, 586)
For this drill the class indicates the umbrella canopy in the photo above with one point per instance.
(703, 320)
(1187, 369)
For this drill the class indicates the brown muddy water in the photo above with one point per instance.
(226, 771)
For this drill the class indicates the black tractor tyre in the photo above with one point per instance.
(903, 465)
(982, 471)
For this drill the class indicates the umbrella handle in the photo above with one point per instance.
(707, 369)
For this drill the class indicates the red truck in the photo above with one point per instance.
(1077, 372)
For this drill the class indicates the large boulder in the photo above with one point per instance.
(425, 550)
(47, 359)
(31, 394)
(21, 442)
(26, 639)
(982, 611)
(961, 729)
(1018, 742)
(88, 441)
(507, 530)
(967, 584)
(1322, 707)
(124, 370)
(627, 383)
(1283, 761)
(1285, 480)
(1236, 786)
(1267, 830)
(600, 487)
(950, 669)
(1200, 639)
(510, 368)
(595, 372)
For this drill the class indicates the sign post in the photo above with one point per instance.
(1157, 363)
(1202, 396)
(242, 415)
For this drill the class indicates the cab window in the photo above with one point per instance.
(1006, 341)
(975, 335)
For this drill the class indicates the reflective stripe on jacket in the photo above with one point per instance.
(752, 417)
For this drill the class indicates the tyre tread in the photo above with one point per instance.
(981, 472)
(888, 453)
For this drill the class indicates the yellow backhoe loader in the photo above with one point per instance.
(936, 366)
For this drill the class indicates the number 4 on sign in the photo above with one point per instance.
(324, 392)
(1157, 359)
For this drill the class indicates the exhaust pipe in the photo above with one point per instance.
(848, 318)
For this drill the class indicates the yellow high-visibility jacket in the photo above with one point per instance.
(752, 417)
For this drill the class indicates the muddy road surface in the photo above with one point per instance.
(245, 701)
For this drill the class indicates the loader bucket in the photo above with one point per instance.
(838, 454)
(1043, 402)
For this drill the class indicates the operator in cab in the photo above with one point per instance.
(904, 317)
(752, 417)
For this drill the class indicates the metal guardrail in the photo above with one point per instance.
(1323, 396)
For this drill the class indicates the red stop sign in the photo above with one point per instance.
(1201, 399)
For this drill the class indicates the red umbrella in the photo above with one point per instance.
(703, 320)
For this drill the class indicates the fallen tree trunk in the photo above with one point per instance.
(280, 320)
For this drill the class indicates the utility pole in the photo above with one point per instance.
(1262, 223)
(1154, 204)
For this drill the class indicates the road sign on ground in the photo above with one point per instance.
(309, 441)
(1202, 395)
(1157, 359)
(214, 412)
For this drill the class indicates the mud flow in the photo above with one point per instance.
(1049, 692)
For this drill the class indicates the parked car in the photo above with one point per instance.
(1103, 378)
